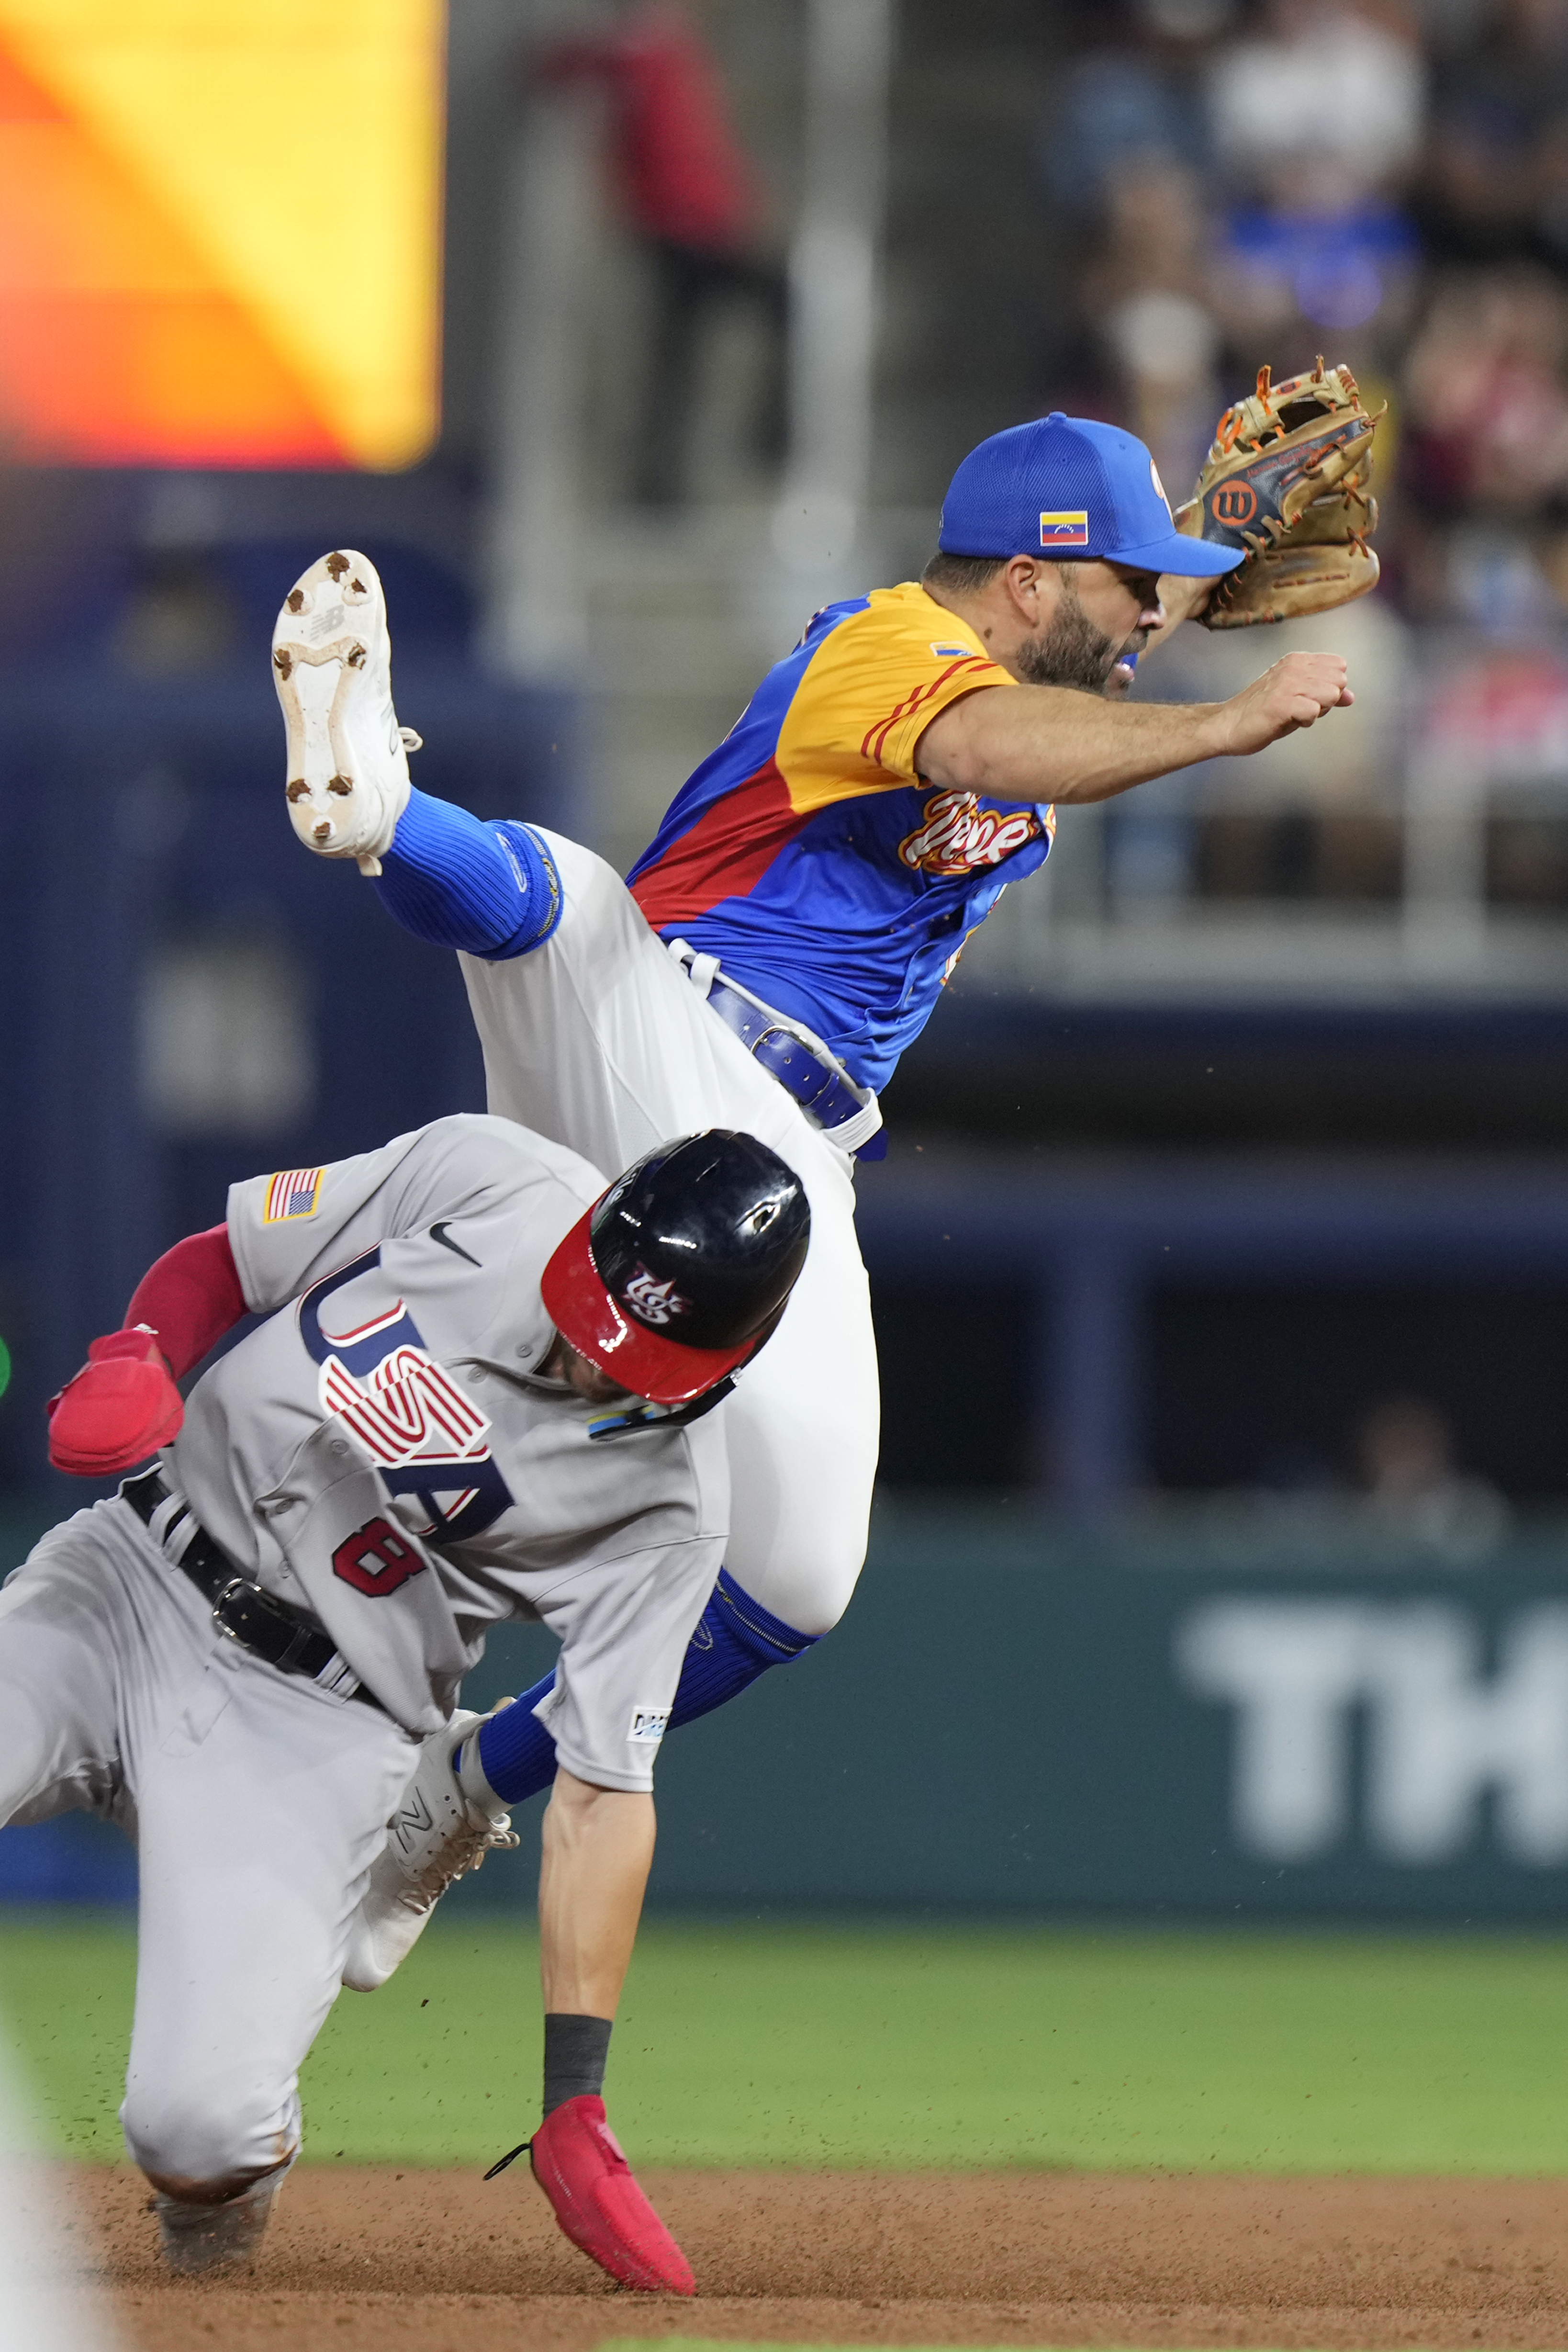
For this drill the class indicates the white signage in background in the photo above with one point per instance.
(1440, 1730)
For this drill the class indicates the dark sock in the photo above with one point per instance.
(576, 2051)
(736, 1641)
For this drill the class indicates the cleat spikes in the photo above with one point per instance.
(347, 761)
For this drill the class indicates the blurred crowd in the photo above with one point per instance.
(1382, 180)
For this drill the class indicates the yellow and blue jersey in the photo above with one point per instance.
(810, 858)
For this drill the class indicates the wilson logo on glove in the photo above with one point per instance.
(1235, 503)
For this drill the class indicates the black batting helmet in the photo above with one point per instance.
(680, 1271)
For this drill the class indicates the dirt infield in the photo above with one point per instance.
(382, 2261)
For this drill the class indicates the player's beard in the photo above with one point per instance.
(1072, 651)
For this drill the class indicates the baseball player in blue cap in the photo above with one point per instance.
(782, 939)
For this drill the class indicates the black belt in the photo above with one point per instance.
(240, 1610)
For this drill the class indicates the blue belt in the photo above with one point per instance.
(814, 1083)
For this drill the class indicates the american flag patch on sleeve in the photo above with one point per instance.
(292, 1193)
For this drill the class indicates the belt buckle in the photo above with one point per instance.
(245, 1584)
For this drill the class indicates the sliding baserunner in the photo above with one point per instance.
(480, 1391)
(786, 935)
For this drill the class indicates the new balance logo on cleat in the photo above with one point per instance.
(439, 1833)
(412, 1820)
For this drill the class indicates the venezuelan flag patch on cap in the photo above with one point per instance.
(1064, 529)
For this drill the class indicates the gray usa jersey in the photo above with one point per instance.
(381, 1451)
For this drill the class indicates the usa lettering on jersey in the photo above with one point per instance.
(427, 1437)
(408, 1411)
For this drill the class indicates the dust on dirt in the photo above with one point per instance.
(382, 2260)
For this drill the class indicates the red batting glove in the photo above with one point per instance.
(122, 1407)
(577, 2162)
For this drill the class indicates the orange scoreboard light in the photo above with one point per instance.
(220, 231)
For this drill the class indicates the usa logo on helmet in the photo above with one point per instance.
(653, 1301)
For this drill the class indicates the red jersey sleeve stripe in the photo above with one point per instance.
(876, 736)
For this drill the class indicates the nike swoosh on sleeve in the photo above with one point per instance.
(439, 1234)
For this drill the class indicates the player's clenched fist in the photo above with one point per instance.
(1295, 693)
(122, 1406)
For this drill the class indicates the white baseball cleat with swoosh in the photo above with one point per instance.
(446, 1824)
(348, 757)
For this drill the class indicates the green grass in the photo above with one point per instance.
(800, 2045)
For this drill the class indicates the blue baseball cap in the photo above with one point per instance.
(1065, 486)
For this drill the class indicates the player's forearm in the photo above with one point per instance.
(123, 1404)
(597, 1852)
(1054, 743)
(191, 1298)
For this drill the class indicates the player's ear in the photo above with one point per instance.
(1027, 578)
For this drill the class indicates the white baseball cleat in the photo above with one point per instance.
(348, 757)
(445, 1825)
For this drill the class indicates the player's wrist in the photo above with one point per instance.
(137, 1344)
(1214, 729)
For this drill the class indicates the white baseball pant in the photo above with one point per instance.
(258, 1803)
(600, 1040)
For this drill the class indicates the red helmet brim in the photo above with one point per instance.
(639, 1359)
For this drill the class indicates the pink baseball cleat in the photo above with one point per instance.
(579, 2164)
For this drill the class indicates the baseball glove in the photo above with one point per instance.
(1286, 481)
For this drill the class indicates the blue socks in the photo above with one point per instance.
(490, 890)
(736, 1641)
